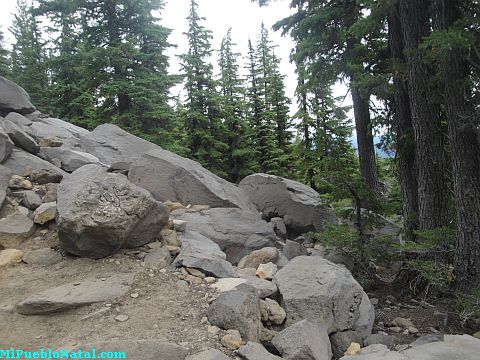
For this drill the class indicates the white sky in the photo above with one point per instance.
(243, 16)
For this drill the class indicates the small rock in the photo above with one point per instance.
(179, 225)
(158, 258)
(276, 314)
(383, 339)
(10, 256)
(31, 200)
(412, 330)
(121, 318)
(402, 322)
(169, 238)
(374, 301)
(172, 206)
(193, 279)
(45, 213)
(19, 182)
(292, 249)
(15, 228)
(476, 335)
(213, 330)
(266, 271)
(246, 272)
(210, 280)
(257, 257)
(395, 329)
(353, 349)
(46, 176)
(208, 354)
(50, 142)
(255, 351)
(196, 272)
(134, 295)
(43, 257)
(233, 340)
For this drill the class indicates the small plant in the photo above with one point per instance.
(468, 306)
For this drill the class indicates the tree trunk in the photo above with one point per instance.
(463, 133)
(431, 169)
(366, 149)
(403, 126)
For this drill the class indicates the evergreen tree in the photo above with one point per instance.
(4, 58)
(240, 155)
(205, 130)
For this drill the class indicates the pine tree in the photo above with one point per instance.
(240, 155)
(4, 58)
(205, 130)
(28, 57)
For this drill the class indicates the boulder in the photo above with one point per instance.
(319, 291)
(384, 339)
(278, 226)
(14, 98)
(18, 119)
(6, 144)
(264, 288)
(22, 163)
(159, 258)
(20, 137)
(303, 340)
(298, 205)
(171, 177)
(14, 229)
(233, 340)
(46, 176)
(31, 200)
(43, 257)
(236, 231)
(342, 340)
(266, 271)
(45, 213)
(254, 351)
(74, 295)
(364, 324)
(208, 354)
(5, 176)
(258, 257)
(10, 257)
(292, 249)
(275, 313)
(113, 145)
(50, 193)
(50, 131)
(238, 310)
(201, 253)
(140, 349)
(70, 160)
(99, 213)
(18, 182)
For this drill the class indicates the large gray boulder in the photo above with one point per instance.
(70, 160)
(74, 295)
(43, 129)
(14, 98)
(6, 144)
(113, 145)
(319, 291)
(303, 340)
(99, 213)
(20, 137)
(22, 163)
(201, 253)
(298, 205)
(18, 119)
(236, 231)
(237, 310)
(171, 177)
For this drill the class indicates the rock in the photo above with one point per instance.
(172, 206)
(282, 261)
(74, 295)
(264, 288)
(14, 229)
(121, 318)
(196, 273)
(19, 182)
(276, 314)
(140, 349)
(208, 354)
(266, 335)
(213, 330)
(14, 98)
(258, 257)
(237, 310)
(5, 176)
(254, 351)
(31, 200)
(159, 258)
(383, 339)
(113, 145)
(18, 119)
(98, 213)
(365, 322)
(227, 284)
(292, 249)
(45, 213)
(201, 253)
(70, 160)
(279, 227)
(44, 257)
(427, 339)
(315, 289)
(170, 238)
(353, 349)
(180, 225)
(22, 163)
(402, 322)
(10, 257)
(341, 341)
(20, 137)
(233, 340)
(50, 142)
(298, 205)
(6, 145)
(43, 177)
(50, 194)
(247, 272)
(171, 177)
(266, 271)
(51, 131)
(477, 335)
(237, 232)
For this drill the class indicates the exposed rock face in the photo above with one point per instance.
(171, 177)
(238, 310)
(74, 295)
(70, 160)
(43, 130)
(14, 98)
(319, 291)
(100, 212)
(201, 253)
(236, 231)
(18, 119)
(22, 163)
(303, 340)
(113, 145)
(297, 204)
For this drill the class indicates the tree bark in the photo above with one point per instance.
(403, 125)
(429, 153)
(463, 125)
